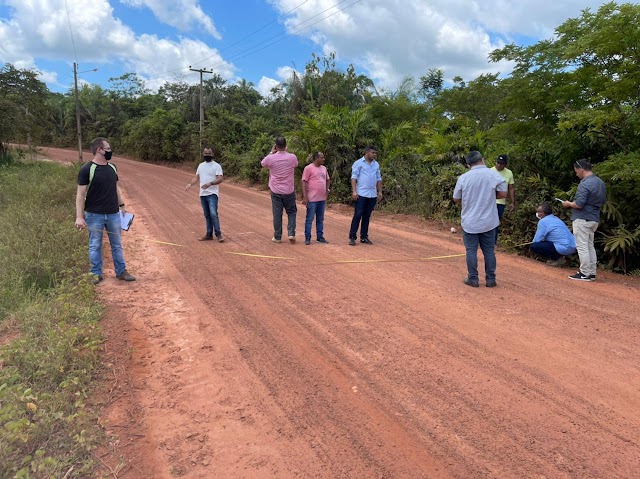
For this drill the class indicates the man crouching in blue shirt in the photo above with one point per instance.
(553, 239)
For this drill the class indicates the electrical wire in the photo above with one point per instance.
(73, 42)
(274, 39)
(294, 32)
(239, 41)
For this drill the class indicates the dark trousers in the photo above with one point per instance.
(501, 209)
(363, 209)
(545, 249)
(288, 203)
(487, 244)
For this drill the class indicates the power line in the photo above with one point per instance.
(73, 43)
(254, 49)
(253, 33)
(241, 40)
(251, 51)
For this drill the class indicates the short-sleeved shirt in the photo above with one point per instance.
(551, 228)
(102, 194)
(316, 178)
(591, 195)
(208, 171)
(507, 174)
(367, 176)
(477, 190)
(282, 165)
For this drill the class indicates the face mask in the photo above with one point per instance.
(208, 158)
(538, 216)
(107, 155)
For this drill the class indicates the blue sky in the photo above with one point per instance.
(159, 39)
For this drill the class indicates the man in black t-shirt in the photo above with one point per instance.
(98, 202)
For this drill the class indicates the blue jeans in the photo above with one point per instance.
(501, 209)
(210, 208)
(363, 209)
(288, 203)
(487, 242)
(315, 208)
(96, 223)
(545, 249)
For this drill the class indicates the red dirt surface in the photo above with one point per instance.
(228, 366)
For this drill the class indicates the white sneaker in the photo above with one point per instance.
(276, 240)
(292, 239)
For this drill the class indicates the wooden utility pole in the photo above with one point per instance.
(203, 70)
(75, 81)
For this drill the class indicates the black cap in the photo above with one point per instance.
(502, 159)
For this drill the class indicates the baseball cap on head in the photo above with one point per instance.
(502, 159)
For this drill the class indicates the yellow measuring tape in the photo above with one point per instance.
(142, 237)
(346, 261)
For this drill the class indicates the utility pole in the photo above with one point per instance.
(203, 70)
(75, 81)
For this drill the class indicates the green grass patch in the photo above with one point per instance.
(49, 326)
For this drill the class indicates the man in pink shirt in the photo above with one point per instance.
(281, 165)
(315, 186)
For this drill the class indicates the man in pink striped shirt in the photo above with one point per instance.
(281, 165)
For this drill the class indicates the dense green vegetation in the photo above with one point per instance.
(49, 332)
(574, 96)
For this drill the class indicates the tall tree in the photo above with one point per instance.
(23, 103)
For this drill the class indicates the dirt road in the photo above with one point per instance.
(296, 365)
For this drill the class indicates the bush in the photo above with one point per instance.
(48, 307)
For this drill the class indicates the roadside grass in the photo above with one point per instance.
(49, 330)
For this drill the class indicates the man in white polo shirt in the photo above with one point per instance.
(478, 189)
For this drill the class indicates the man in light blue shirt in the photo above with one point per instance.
(366, 190)
(478, 189)
(553, 239)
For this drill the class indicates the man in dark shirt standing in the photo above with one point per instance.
(98, 202)
(585, 215)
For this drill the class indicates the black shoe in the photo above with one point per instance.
(366, 241)
(307, 241)
(582, 277)
(593, 277)
(321, 240)
(352, 241)
(491, 284)
(96, 278)
(206, 238)
(468, 282)
(125, 276)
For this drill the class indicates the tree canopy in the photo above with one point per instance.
(575, 95)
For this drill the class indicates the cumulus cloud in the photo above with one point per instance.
(98, 37)
(390, 39)
(286, 72)
(181, 14)
(266, 83)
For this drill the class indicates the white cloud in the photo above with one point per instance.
(182, 14)
(265, 85)
(48, 77)
(390, 39)
(98, 39)
(286, 72)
